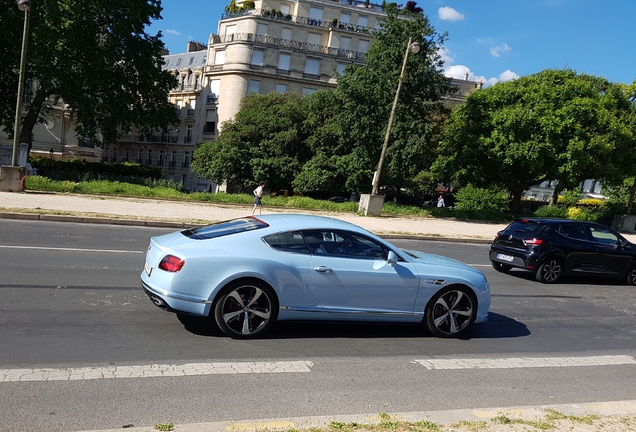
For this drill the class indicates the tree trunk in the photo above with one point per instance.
(630, 200)
(515, 205)
(555, 195)
(31, 118)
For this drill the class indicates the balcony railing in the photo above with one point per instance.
(286, 43)
(212, 99)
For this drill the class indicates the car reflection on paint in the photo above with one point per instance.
(247, 273)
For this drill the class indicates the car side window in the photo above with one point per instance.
(344, 244)
(292, 241)
(574, 231)
(603, 235)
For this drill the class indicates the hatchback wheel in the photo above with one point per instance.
(631, 275)
(550, 270)
(451, 312)
(246, 309)
(503, 268)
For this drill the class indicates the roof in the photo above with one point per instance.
(187, 60)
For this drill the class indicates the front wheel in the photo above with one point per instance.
(246, 309)
(550, 270)
(451, 312)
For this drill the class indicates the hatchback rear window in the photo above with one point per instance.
(523, 227)
(224, 228)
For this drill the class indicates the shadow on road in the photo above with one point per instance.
(498, 326)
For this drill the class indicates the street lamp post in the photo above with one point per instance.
(25, 6)
(372, 205)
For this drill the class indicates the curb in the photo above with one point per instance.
(528, 413)
(166, 224)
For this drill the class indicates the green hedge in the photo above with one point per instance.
(79, 170)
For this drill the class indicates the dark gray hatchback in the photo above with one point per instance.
(553, 247)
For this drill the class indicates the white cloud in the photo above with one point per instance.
(496, 51)
(444, 53)
(508, 75)
(174, 32)
(449, 14)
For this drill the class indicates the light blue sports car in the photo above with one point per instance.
(249, 272)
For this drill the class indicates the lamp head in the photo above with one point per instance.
(414, 48)
(24, 5)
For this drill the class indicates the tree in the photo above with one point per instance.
(554, 125)
(96, 57)
(367, 91)
(266, 140)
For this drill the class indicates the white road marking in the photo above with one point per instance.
(148, 371)
(526, 362)
(70, 249)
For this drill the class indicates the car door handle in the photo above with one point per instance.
(322, 269)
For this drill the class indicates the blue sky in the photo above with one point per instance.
(492, 40)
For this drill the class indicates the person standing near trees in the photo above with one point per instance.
(440, 201)
(258, 196)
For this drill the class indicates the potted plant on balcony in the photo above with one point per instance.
(334, 23)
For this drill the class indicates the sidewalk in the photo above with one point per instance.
(153, 212)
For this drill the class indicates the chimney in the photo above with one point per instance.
(466, 77)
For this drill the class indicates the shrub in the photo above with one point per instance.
(554, 211)
(470, 198)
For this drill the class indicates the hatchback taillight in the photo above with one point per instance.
(171, 263)
(533, 241)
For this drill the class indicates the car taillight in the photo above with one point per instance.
(171, 263)
(498, 234)
(533, 241)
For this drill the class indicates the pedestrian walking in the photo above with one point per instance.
(258, 196)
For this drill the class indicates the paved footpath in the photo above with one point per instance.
(180, 213)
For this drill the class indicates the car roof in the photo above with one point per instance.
(553, 221)
(291, 221)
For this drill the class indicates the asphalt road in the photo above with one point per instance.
(70, 298)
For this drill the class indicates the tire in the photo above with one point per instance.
(246, 309)
(550, 270)
(451, 312)
(631, 275)
(502, 268)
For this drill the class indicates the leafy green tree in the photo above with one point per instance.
(95, 56)
(367, 91)
(266, 140)
(554, 125)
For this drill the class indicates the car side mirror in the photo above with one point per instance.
(392, 258)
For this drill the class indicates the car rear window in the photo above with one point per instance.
(523, 226)
(224, 228)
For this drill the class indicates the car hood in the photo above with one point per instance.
(438, 260)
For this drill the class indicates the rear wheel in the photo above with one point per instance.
(246, 309)
(631, 275)
(503, 268)
(451, 312)
(550, 270)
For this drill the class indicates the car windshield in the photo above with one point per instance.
(224, 228)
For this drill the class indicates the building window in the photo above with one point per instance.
(345, 43)
(315, 16)
(219, 57)
(363, 22)
(363, 46)
(312, 67)
(191, 60)
(261, 29)
(178, 61)
(149, 159)
(308, 91)
(160, 159)
(140, 157)
(215, 86)
(173, 159)
(229, 33)
(257, 58)
(186, 160)
(314, 38)
(210, 127)
(340, 67)
(285, 9)
(286, 34)
(281, 88)
(345, 18)
(188, 135)
(254, 86)
(283, 61)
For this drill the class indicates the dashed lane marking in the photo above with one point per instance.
(71, 249)
(149, 371)
(526, 362)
